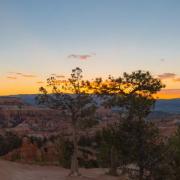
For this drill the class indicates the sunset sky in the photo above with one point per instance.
(39, 38)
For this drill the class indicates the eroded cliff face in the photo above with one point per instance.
(30, 152)
(8, 101)
(31, 121)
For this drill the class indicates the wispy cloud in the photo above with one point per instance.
(81, 56)
(11, 77)
(15, 73)
(167, 76)
(58, 75)
(40, 82)
(162, 60)
(28, 75)
(22, 74)
(53, 74)
(177, 79)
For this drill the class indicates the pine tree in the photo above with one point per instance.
(73, 100)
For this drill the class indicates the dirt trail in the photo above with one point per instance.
(16, 171)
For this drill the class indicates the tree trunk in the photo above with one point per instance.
(113, 162)
(141, 152)
(74, 159)
(141, 173)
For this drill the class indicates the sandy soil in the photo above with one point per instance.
(16, 171)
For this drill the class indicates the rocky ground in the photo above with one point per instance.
(16, 171)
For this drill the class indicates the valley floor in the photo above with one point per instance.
(16, 171)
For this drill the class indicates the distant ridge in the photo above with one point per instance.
(27, 98)
(168, 105)
(162, 105)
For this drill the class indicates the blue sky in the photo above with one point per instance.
(38, 36)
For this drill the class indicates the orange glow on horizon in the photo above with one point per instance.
(31, 86)
(169, 94)
(164, 94)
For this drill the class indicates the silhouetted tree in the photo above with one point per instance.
(109, 148)
(133, 94)
(172, 157)
(72, 98)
